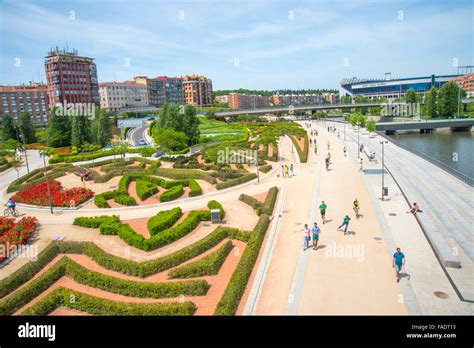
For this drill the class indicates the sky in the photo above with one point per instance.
(254, 44)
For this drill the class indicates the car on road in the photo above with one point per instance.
(142, 142)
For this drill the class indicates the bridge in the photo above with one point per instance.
(294, 108)
(425, 126)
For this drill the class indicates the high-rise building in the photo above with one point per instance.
(197, 90)
(173, 89)
(156, 90)
(32, 98)
(117, 95)
(71, 78)
(246, 101)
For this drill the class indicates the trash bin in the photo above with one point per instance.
(215, 216)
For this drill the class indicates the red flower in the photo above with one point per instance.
(37, 194)
(17, 233)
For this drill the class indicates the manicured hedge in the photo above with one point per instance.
(238, 282)
(145, 189)
(125, 199)
(178, 174)
(265, 168)
(172, 193)
(95, 221)
(163, 220)
(302, 153)
(269, 203)
(216, 205)
(194, 188)
(232, 182)
(61, 297)
(208, 265)
(67, 267)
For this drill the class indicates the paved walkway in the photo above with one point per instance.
(326, 281)
(423, 274)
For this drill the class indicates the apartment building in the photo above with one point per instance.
(118, 95)
(71, 78)
(32, 98)
(162, 89)
(466, 82)
(247, 101)
(197, 90)
(296, 99)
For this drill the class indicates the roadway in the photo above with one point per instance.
(135, 134)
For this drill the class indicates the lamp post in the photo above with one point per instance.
(344, 131)
(358, 142)
(23, 147)
(43, 154)
(383, 167)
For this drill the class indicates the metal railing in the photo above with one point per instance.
(464, 178)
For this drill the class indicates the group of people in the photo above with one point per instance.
(287, 171)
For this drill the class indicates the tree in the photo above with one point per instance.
(169, 139)
(16, 164)
(370, 125)
(26, 128)
(430, 108)
(8, 127)
(101, 128)
(182, 119)
(347, 99)
(79, 130)
(410, 96)
(448, 100)
(59, 129)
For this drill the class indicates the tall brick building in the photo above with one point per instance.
(71, 78)
(32, 98)
(197, 90)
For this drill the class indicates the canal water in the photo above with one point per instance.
(455, 149)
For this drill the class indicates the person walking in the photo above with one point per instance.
(356, 207)
(315, 231)
(286, 171)
(398, 262)
(291, 170)
(307, 237)
(329, 145)
(345, 224)
(327, 163)
(282, 172)
(345, 150)
(322, 210)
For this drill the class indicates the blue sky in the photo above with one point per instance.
(275, 44)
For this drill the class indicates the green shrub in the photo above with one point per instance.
(216, 205)
(233, 182)
(178, 174)
(99, 306)
(265, 168)
(195, 189)
(145, 189)
(208, 265)
(96, 221)
(125, 199)
(163, 220)
(100, 202)
(235, 288)
(172, 193)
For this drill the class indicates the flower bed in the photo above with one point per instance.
(13, 234)
(37, 194)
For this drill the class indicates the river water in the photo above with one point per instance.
(455, 149)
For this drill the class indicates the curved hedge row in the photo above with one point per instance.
(61, 297)
(262, 208)
(237, 181)
(172, 194)
(67, 267)
(208, 265)
(302, 153)
(163, 220)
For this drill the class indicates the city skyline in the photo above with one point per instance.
(315, 44)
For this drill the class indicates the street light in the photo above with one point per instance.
(23, 147)
(383, 167)
(43, 154)
(358, 142)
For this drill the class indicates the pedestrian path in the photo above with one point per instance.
(424, 274)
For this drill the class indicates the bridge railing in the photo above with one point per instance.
(464, 178)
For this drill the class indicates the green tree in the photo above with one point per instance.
(370, 125)
(181, 118)
(410, 96)
(26, 128)
(448, 100)
(101, 130)
(169, 139)
(58, 131)
(79, 130)
(430, 108)
(347, 99)
(8, 127)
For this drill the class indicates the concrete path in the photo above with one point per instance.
(424, 275)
